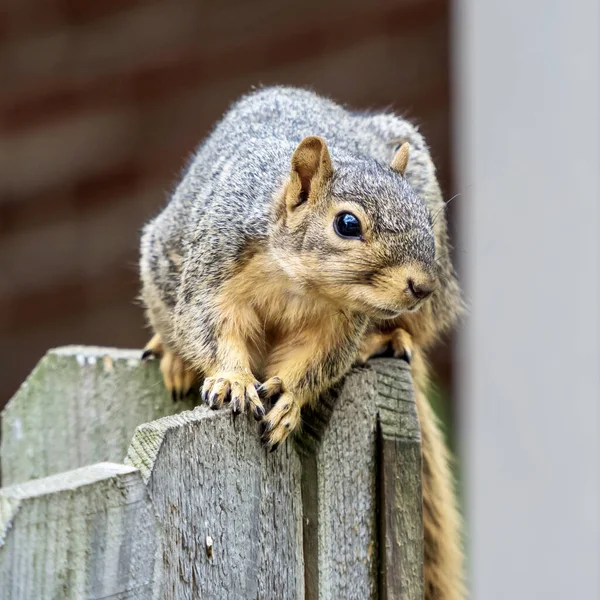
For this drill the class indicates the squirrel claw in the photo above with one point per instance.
(404, 355)
(397, 343)
(259, 412)
(264, 428)
(204, 396)
(154, 348)
(402, 344)
(178, 376)
(215, 400)
(271, 389)
(238, 389)
(236, 406)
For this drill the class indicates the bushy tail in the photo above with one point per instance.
(443, 568)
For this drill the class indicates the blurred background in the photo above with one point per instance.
(101, 103)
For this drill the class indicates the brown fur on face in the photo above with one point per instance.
(372, 274)
(311, 169)
(400, 160)
(355, 277)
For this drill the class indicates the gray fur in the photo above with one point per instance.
(223, 207)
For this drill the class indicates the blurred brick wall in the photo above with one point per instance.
(101, 101)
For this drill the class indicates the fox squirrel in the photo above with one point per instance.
(304, 238)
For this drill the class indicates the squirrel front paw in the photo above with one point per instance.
(239, 389)
(280, 421)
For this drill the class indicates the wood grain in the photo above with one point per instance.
(210, 479)
(362, 461)
(89, 533)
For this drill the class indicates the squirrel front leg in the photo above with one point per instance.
(212, 332)
(302, 369)
(229, 376)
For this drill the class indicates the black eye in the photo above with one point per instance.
(346, 225)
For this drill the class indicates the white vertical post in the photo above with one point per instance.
(528, 146)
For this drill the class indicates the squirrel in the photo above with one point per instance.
(304, 238)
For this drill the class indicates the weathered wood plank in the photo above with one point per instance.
(89, 533)
(345, 481)
(79, 406)
(400, 490)
(361, 488)
(230, 512)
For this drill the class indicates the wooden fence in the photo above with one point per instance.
(111, 490)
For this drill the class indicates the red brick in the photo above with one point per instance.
(60, 100)
(182, 119)
(29, 309)
(17, 214)
(25, 17)
(198, 64)
(118, 43)
(100, 188)
(64, 299)
(72, 200)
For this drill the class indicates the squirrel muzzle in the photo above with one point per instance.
(398, 289)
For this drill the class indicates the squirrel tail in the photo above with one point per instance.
(443, 556)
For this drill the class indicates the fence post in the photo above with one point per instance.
(362, 488)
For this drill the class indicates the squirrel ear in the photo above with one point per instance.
(311, 166)
(400, 160)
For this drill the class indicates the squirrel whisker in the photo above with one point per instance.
(442, 208)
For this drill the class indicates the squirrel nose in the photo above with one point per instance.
(422, 290)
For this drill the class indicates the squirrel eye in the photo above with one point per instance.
(346, 225)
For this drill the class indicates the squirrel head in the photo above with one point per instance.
(355, 232)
